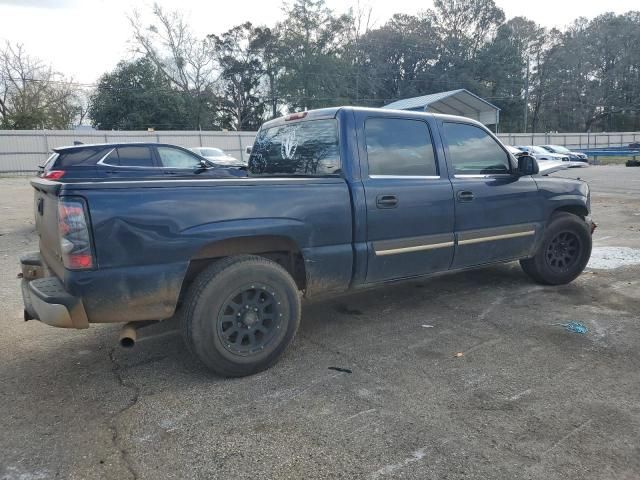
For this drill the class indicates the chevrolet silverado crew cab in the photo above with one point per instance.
(335, 199)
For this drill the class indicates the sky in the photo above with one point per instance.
(85, 38)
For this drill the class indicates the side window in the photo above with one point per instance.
(85, 157)
(133, 157)
(473, 151)
(176, 158)
(399, 147)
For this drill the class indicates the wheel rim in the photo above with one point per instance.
(563, 252)
(249, 319)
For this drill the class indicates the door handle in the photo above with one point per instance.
(387, 201)
(464, 196)
(169, 172)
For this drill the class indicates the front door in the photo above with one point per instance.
(409, 199)
(498, 214)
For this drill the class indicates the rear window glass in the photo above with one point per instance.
(131, 157)
(85, 157)
(305, 148)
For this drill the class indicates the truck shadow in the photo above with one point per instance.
(161, 354)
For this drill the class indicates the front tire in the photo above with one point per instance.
(241, 314)
(563, 253)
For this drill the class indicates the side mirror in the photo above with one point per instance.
(527, 165)
(202, 166)
(248, 150)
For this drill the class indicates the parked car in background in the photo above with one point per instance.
(218, 156)
(545, 166)
(515, 151)
(542, 154)
(576, 159)
(129, 160)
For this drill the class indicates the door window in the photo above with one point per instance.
(176, 158)
(473, 151)
(399, 147)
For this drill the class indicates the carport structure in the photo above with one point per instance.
(454, 102)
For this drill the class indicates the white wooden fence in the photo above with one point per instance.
(21, 151)
(572, 140)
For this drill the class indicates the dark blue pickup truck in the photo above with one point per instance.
(335, 199)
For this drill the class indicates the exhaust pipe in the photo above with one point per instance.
(128, 335)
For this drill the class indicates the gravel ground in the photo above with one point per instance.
(525, 400)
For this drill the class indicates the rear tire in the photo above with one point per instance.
(563, 253)
(240, 315)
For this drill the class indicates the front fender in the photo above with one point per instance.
(562, 193)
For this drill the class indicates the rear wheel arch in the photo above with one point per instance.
(280, 249)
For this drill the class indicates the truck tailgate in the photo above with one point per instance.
(45, 198)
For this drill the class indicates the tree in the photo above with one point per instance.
(184, 60)
(136, 96)
(237, 52)
(266, 43)
(312, 44)
(32, 94)
(397, 58)
(585, 77)
(589, 76)
(505, 66)
(464, 26)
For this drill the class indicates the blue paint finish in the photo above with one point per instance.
(169, 224)
(497, 202)
(128, 293)
(146, 233)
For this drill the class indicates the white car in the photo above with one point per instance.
(542, 154)
(576, 159)
(218, 156)
(545, 164)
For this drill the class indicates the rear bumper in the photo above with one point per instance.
(46, 299)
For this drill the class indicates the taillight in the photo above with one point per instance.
(75, 243)
(54, 174)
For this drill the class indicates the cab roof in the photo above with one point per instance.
(325, 113)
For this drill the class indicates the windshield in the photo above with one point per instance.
(539, 150)
(558, 149)
(303, 148)
(211, 152)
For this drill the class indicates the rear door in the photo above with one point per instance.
(409, 199)
(497, 213)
